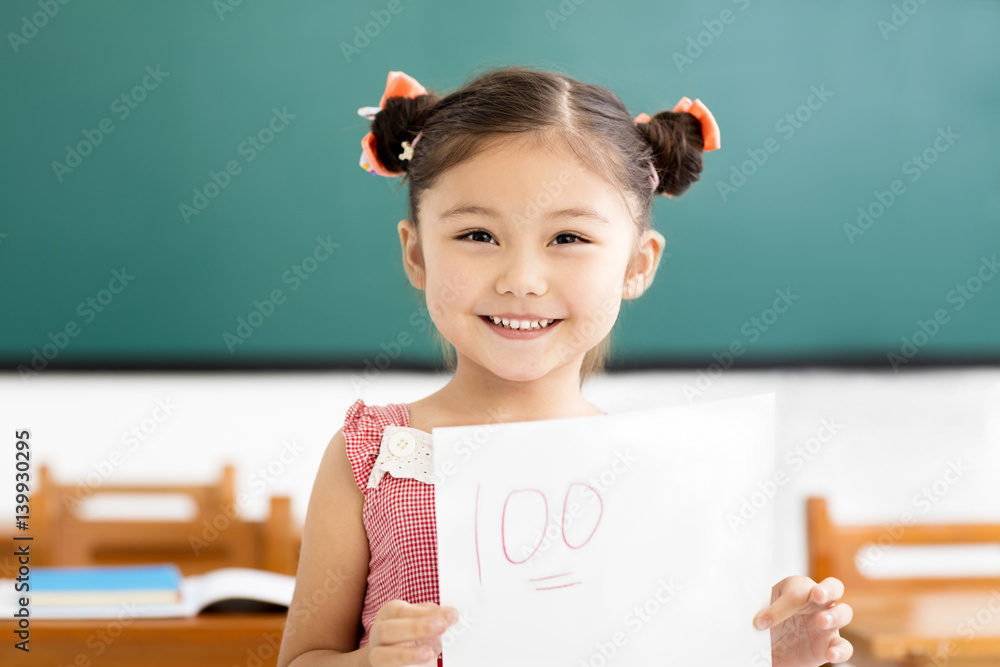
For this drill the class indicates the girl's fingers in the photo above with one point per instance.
(397, 656)
(406, 634)
(451, 614)
(829, 590)
(399, 630)
(403, 609)
(794, 594)
(839, 650)
(835, 617)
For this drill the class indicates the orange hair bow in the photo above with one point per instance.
(709, 129)
(398, 84)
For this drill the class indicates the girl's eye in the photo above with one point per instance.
(477, 232)
(570, 235)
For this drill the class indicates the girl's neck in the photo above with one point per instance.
(476, 396)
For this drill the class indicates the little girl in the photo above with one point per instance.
(529, 197)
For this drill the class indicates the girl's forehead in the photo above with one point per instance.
(520, 177)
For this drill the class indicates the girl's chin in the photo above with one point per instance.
(512, 370)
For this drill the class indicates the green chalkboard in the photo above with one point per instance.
(171, 167)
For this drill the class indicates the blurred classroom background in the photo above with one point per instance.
(195, 272)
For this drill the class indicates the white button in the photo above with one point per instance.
(402, 444)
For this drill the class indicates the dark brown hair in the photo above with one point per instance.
(550, 107)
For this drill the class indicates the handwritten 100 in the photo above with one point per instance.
(572, 508)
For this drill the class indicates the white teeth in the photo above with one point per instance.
(520, 324)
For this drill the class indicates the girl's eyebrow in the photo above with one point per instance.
(472, 209)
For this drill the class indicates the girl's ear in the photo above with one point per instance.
(413, 257)
(644, 264)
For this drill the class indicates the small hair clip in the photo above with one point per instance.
(407, 151)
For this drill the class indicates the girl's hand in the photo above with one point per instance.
(805, 620)
(408, 634)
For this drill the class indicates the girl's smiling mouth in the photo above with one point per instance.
(519, 328)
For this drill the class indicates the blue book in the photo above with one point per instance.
(146, 591)
(145, 584)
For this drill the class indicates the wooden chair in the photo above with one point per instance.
(215, 537)
(909, 621)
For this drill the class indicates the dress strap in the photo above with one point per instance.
(363, 427)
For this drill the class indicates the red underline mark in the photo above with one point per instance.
(549, 588)
(552, 576)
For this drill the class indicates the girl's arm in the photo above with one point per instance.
(324, 618)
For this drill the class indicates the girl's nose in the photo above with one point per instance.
(522, 273)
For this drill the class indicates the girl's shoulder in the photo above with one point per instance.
(363, 427)
(362, 419)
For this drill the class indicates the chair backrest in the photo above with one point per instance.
(216, 536)
(834, 550)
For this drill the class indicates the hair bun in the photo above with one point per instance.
(677, 143)
(400, 120)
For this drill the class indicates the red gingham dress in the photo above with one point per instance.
(398, 516)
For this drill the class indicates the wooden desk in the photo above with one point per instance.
(61, 538)
(909, 621)
(207, 640)
(926, 629)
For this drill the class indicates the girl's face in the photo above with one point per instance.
(521, 231)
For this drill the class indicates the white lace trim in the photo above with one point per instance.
(418, 464)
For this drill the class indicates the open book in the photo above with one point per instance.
(157, 591)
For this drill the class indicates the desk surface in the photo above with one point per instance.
(207, 639)
(926, 628)
(964, 626)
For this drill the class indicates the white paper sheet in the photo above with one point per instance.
(638, 538)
